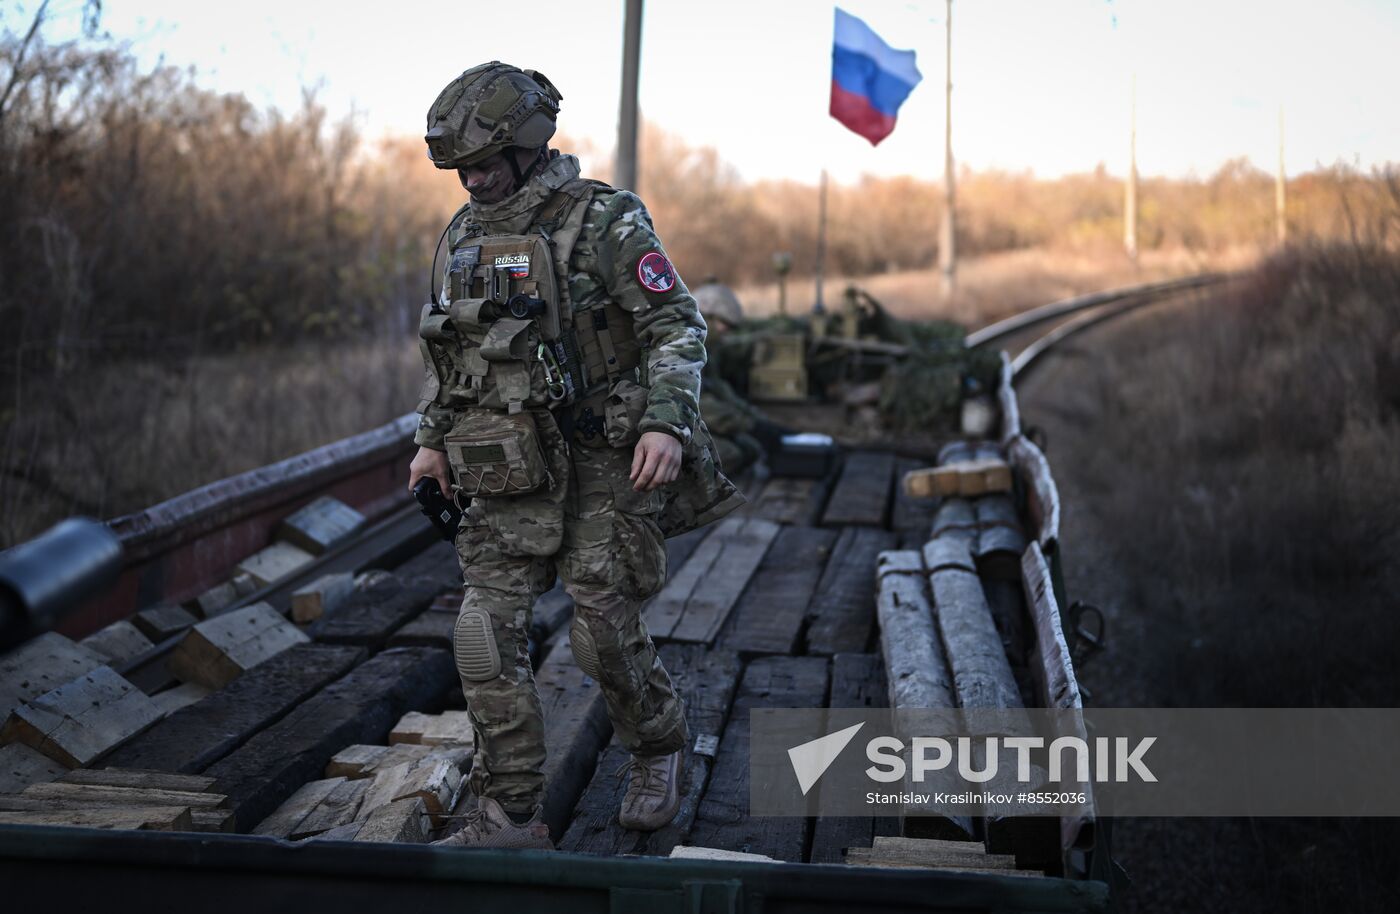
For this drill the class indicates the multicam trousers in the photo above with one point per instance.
(611, 558)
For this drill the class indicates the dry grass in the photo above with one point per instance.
(992, 286)
(132, 433)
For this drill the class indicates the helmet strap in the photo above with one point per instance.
(525, 174)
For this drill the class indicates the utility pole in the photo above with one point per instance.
(625, 162)
(818, 307)
(947, 256)
(1130, 190)
(1281, 189)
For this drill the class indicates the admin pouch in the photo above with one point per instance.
(496, 453)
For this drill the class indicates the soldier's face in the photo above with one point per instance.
(490, 180)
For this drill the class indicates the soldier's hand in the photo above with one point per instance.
(432, 464)
(655, 461)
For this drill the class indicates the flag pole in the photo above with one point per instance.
(625, 167)
(947, 255)
(818, 307)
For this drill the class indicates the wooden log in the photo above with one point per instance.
(361, 707)
(450, 728)
(402, 822)
(81, 721)
(21, 766)
(181, 696)
(273, 563)
(318, 526)
(915, 666)
(857, 681)
(842, 612)
(705, 680)
(862, 492)
(1042, 496)
(1000, 537)
(914, 662)
(42, 664)
(138, 779)
(323, 595)
(949, 552)
(723, 820)
(217, 651)
(982, 676)
(88, 795)
(197, 736)
(118, 642)
(1052, 671)
(576, 729)
(165, 620)
(769, 616)
(155, 818)
(1006, 401)
(911, 517)
(696, 601)
(379, 607)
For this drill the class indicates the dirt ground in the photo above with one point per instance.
(1153, 658)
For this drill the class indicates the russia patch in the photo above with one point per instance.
(655, 272)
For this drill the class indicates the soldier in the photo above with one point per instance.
(742, 433)
(563, 361)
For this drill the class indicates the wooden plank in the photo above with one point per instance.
(936, 853)
(340, 806)
(785, 500)
(723, 819)
(81, 721)
(21, 766)
(436, 780)
(287, 816)
(576, 727)
(1006, 401)
(377, 609)
(365, 761)
(705, 680)
(163, 621)
(769, 616)
(429, 629)
(1042, 495)
(450, 728)
(118, 642)
(220, 597)
(843, 611)
(218, 821)
(964, 478)
(40, 665)
(267, 566)
(323, 595)
(436, 568)
(862, 493)
(157, 818)
(138, 778)
(360, 707)
(197, 736)
(318, 526)
(857, 681)
(88, 795)
(217, 651)
(697, 599)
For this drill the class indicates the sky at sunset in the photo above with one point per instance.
(1038, 85)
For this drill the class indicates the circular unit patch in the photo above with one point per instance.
(655, 272)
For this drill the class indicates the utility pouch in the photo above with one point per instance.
(496, 453)
(623, 410)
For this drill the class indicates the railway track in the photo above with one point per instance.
(793, 626)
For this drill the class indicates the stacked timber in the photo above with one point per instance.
(923, 853)
(121, 798)
(398, 793)
(217, 651)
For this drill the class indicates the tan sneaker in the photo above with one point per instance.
(653, 790)
(489, 826)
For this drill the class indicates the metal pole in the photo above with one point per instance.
(1281, 189)
(1130, 189)
(818, 307)
(625, 169)
(947, 255)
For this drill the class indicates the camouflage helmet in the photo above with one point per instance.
(718, 301)
(487, 109)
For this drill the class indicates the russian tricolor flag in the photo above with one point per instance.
(869, 79)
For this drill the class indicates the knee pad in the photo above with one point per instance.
(474, 647)
(585, 648)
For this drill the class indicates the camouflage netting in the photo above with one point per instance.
(924, 391)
